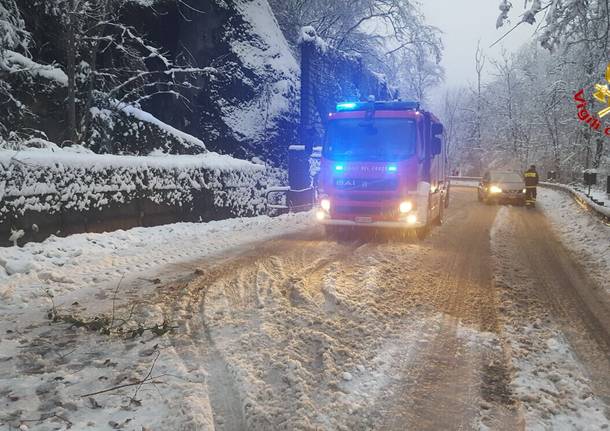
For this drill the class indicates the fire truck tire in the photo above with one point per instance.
(331, 231)
(438, 220)
(339, 233)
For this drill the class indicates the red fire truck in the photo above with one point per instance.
(383, 165)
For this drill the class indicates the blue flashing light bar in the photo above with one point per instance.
(339, 168)
(346, 106)
(392, 168)
(393, 105)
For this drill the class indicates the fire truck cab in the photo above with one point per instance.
(383, 165)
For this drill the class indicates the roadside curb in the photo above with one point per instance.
(581, 199)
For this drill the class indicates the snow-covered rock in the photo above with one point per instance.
(249, 105)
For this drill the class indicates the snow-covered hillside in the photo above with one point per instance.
(224, 78)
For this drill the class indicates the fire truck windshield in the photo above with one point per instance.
(381, 139)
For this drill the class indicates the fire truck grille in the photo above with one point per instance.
(366, 197)
(364, 211)
(371, 184)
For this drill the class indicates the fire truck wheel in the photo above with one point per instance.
(330, 231)
(404, 234)
(439, 219)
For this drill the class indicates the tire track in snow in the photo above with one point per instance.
(556, 322)
(459, 372)
(247, 283)
(196, 346)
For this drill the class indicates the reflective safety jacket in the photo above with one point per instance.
(531, 178)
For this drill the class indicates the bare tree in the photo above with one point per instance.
(505, 102)
(13, 37)
(133, 69)
(416, 73)
(452, 122)
(480, 60)
(472, 145)
(379, 31)
(564, 22)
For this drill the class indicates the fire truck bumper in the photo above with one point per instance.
(372, 224)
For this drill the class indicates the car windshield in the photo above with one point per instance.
(384, 139)
(506, 177)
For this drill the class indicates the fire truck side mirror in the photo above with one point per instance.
(437, 146)
(437, 129)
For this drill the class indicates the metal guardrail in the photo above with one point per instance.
(285, 190)
(464, 181)
(465, 178)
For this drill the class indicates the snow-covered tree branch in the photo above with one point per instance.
(385, 33)
(107, 59)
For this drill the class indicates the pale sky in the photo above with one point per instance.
(463, 23)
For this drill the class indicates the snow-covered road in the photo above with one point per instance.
(490, 323)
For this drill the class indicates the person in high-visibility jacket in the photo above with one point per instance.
(531, 182)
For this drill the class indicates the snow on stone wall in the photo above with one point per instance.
(54, 181)
(120, 128)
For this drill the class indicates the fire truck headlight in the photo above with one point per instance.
(320, 215)
(325, 204)
(495, 190)
(411, 219)
(406, 207)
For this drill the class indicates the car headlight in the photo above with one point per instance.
(495, 190)
(405, 207)
(524, 190)
(320, 215)
(411, 219)
(325, 204)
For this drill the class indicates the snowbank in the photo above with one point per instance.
(585, 200)
(584, 235)
(547, 376)
(47, 367)
(96, 260)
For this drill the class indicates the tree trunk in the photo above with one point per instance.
(71, 72)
